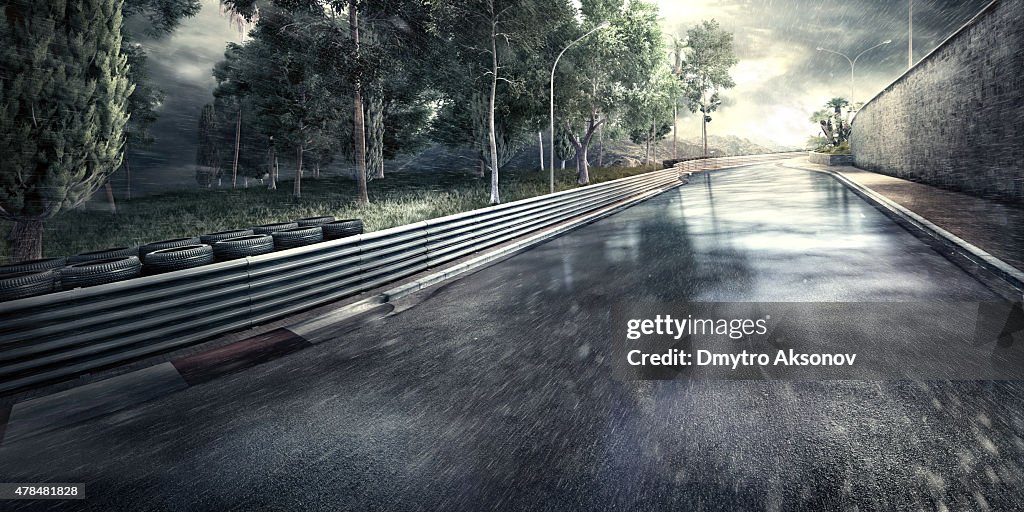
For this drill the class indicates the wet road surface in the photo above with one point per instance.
(495, 391)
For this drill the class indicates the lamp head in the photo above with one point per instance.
(887, 41)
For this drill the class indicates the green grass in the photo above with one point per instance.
(400, 198)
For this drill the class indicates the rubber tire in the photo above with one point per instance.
(210, 238)
(297, 237)
(315, 221)
(104, 254)
(167, 244)
(33, 265)
(178, 258)
(242, 246)
(342, 228)
(92, 273)
(21, 285)
(266, 229)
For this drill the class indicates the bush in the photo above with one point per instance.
(843, 148)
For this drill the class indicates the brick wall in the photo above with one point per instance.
(956, 119)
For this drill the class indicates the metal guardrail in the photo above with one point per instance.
(706, 164)
(69, 333)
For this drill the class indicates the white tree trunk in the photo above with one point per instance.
(491, 136)
(297, 186)
(540, 146)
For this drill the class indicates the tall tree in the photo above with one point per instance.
(705, 70)
(649, 106)
(594, 84)
(208, 165)
(63, 116)
(485, 36)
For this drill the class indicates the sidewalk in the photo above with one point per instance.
(996, 228)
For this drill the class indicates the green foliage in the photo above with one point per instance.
(843, 148)
(161, 16)
(564, 149)
(835, 128)
(63, 115)
(705, 68)
(649, 106)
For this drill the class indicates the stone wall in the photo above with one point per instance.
(955, 119)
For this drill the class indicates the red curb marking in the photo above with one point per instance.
(238, 356)
(5, 414)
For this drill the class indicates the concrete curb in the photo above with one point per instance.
(69, 407)
(1013, 276)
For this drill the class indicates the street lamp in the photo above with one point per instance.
(853, 62)
(551, 154)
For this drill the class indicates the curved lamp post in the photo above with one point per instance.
(551, 154)
(853, 62)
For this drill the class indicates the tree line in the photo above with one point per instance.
(359, 80)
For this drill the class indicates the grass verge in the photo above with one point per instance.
(399, 198)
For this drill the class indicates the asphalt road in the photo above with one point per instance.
(494, 391)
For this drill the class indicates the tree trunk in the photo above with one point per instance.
(27, 239)
(271, 162)
(482, 169)
(110, 197)
(654, 143)
(127, 173)
(238, 142)
(563, 165)
(540, 146)
(359, 128)
(675, 119)
(584, 174)
(600, 147)
(297, 186)
(704, 132)
(491, 138)
(581, 145)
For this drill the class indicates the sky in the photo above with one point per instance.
(780, 79)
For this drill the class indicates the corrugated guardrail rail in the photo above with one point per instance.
(73, 332)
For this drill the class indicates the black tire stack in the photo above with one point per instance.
(104, 254)
(178, 258)
(92, 273)
(30, 278)
(211, 238)
(315, 221)
(342, 228)
(297, 237)
(38, 277)
(167, 244)
(266, 229)
(242, 246)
